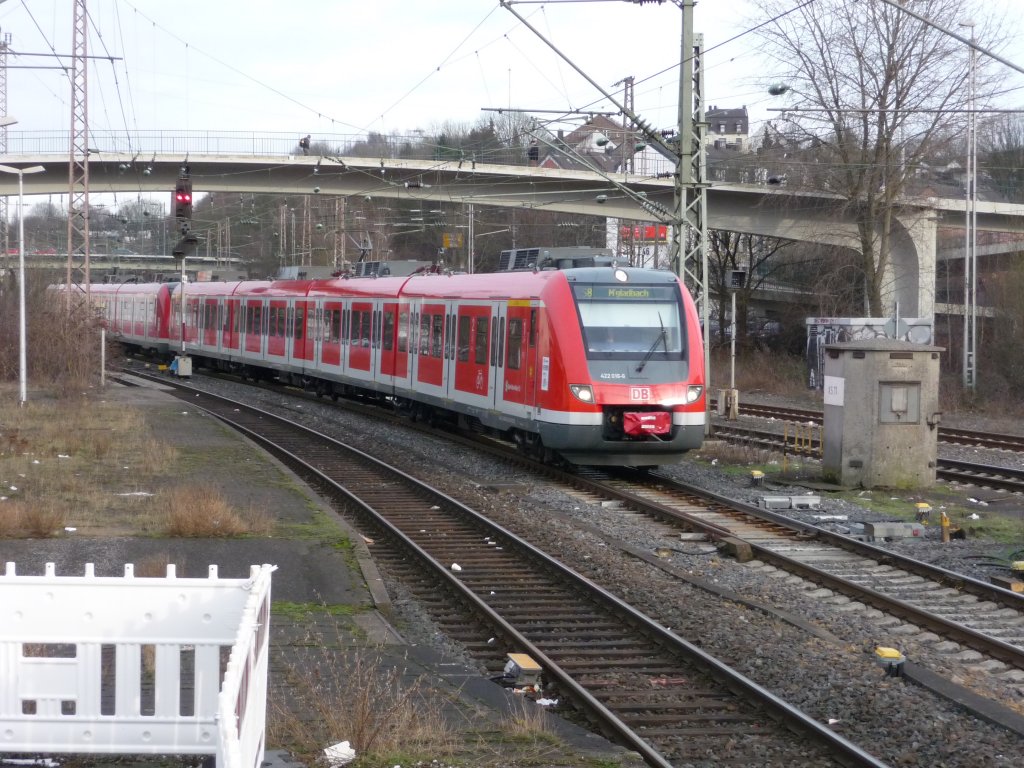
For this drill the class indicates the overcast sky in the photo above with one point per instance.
(349, 66)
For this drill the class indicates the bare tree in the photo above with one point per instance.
(756, 255)
(1001, 155)
(874, 91)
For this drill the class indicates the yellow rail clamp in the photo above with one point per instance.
(1017, 566)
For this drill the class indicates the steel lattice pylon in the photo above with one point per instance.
(78, 161)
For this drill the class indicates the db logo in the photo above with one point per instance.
(639, 393)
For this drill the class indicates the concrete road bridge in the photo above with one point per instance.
(267, 164)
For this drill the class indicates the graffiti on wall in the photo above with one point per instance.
(822, 331)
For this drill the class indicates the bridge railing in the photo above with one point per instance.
(160, 142)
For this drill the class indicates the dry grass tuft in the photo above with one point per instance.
(201, 512)
(21, 519)
(528, 722)
(352, 697)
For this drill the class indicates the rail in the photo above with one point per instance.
(126, 665)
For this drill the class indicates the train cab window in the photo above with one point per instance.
(480, 347)
(403, 331)
(436, 335)
(643, 323)
(387, 340)
(300, 323)
(463, 339)
(515, 343)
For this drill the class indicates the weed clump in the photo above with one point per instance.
(352, 696)
(202, 512)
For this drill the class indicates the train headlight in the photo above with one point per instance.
(582, 392)
(693, 393)
(621, 275)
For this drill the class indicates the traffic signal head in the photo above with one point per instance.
(183, 200)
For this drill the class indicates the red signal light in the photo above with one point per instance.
(183, 200)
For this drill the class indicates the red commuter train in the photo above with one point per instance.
(600, 365)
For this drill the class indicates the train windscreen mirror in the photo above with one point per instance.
(737, 279)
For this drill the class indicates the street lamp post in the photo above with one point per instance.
(22, 342)
(970, 361)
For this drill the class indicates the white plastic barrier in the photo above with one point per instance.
(130, 665)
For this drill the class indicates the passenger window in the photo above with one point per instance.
(424, 334)
(463, 345)
(364, 322)
(403, 331)
(388, 339)
(300, 323)
(533, 327)
(437, 335)
(480, 356)
(354, 328)
(515, 343)
(501, 343)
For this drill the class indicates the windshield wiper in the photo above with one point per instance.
(661, 339)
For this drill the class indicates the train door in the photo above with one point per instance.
(360, 352)
(210, 322)
(518, 388)
(429, 374)
(301, 340)
(231, 324)
(277, 329)
(191, 329)
(394, 342)
(496, 358)
(150, 320)
(472, 350)
(254, 325)
(329, 353)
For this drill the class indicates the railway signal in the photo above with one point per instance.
(183, 202)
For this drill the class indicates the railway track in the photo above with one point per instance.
(975, 614)
(993, 476)
(642, 685)
(980, 616)
(946, 434)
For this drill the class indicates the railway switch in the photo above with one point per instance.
(891, 660)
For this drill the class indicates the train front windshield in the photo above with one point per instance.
(630, 322)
